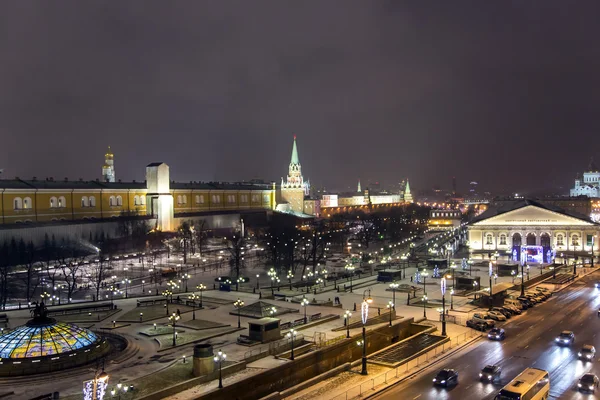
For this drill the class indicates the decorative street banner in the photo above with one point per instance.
(364, 312)
(443, 285)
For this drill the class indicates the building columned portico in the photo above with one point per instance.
(532, 225)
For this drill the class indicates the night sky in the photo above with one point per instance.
(505, 93)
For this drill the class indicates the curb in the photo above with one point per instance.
(450, 353)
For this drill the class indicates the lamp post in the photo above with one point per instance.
(291, 335)
(219, 358)
(347, 316)
(522, 280)
(304, 303)
(290, 275)
(491, 272)
(513, 273)
(166, 293)
(452, 299)
(453, 267)
(394, 286)
(238, 283)
(350, 269)
(424, 301)
(443, 289)
(390, 306)
(424, 274)
(364, 313)
(185, 278)
(470, 262)
(193, 297)
(528, 272)
(257, 284)
(200, 287)
(174, 318)
(239, 304)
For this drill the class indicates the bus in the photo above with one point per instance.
(531, 384)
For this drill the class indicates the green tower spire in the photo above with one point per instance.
(295, 159)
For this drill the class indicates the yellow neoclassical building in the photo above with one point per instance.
(35, 201)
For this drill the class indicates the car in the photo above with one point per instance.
(514, 303)
(532, 298)
(446, 377)
(526, 301)
(542, 289)
(512, 309)
(503, 311)
(536, 296)
(483, 317)
(496, 334)
(587, 352)
(565, 337)
(496, 315)
(477, 325)
(588, 383)
(490, 373)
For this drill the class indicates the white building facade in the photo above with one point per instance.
(589, 185)
(528, 224)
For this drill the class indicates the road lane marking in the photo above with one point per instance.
(416, 397)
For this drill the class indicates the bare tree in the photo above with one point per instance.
(5, 268)
(184, 238)
(31, 275)
(236, 247)
(199, 235)
(99, 273)
(70, 273)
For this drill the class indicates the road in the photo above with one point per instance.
(529, 343)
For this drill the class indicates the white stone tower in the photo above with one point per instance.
(359, 189)
(108, 169)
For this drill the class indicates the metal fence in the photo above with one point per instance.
(393, 375)
(272, 348)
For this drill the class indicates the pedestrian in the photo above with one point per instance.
(411, 278)
(378, 311)
(178, 313)
(354, 306)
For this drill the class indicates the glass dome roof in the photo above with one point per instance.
(45, 340)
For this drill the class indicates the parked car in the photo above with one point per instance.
(514, 303)
(565, 338)
(514, 310)
(490, 373)
(544, 290)
(484, 318)
(496, 315)
(496, 334)
(587, 352)
(446, 377)
(537, 296)
(525, 301)
(477, 325)
(503, 311)
(588, 383)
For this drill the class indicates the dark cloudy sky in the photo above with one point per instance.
(502, 92)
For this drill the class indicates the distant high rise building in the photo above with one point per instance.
(358, 189)
(407, 195)
(108, 169)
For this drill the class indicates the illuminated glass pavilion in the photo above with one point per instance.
(39, 340)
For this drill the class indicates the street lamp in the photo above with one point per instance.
(443, 288)
(394, 286)
(257, 285)
(390, 306)
(219, 358)
(291, 335)
(347, 315)
(239, 304)
(290, 275)
(453, 267)
(452, 299)
(126, 282)
(364, 314)
(424, 300)
(193, 297)
(238, 283)
(174, 318)
(491, 272)
(350, 269)
(166, 293)
(304, 303)
(201, 287)
(424, 274)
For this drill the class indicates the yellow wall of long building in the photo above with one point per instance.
(39, 209)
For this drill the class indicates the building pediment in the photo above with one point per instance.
(532, 216)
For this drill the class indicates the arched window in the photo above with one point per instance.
(503, 239)
(119, 201)
(53, 202)
(197, 199)
(84, 201)
(560, 240)
(27, 203)
(184, 198)
(575, 240)
(142, 200)
(18, 203)
(530, 239)
(136, 199)
(179, 201)
(111, 201)
(92, 201)
(489, 238)
(62, 202)
(545, 240)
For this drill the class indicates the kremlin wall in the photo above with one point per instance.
(33, 208)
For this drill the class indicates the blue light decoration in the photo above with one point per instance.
(88, 389)
(418, 277)
(464, 264)
(436, 272)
